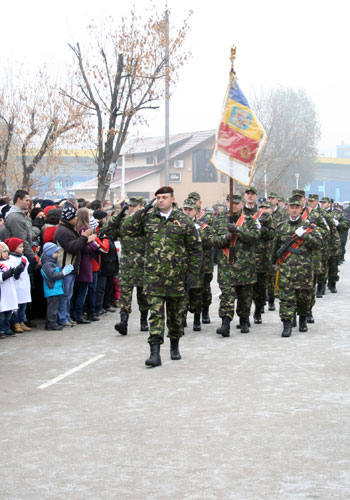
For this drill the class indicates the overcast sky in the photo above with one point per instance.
(300, 43)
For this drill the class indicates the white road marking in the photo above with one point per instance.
(69, 372)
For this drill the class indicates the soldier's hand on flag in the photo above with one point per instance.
(232, 227)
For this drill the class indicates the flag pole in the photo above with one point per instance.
(233, 57)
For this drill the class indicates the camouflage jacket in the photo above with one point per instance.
(334, 246)
(242, 271)
(264, 245)
(173, 250)
(132, 260)
(320, 254)
(279, 215)
(204, 219)
(297, 271)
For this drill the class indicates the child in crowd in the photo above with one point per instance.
(53, 283)
(8, 294)
(18, 319)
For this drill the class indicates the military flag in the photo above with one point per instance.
(240, 137)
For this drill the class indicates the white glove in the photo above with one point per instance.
(336, 222)
(67, 269)
(300, 231)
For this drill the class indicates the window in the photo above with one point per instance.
(149, 160)
(202, 169)
(223, 178)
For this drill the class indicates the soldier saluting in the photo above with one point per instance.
(173, 256)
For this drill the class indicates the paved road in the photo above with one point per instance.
(251, 417)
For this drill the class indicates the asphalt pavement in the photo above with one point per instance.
(249, 417)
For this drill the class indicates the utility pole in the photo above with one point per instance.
(166, 17)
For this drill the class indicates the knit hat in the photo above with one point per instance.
(3, 247)
(99, 214)
(50, 248)
(46, 203)
(93, 222)
(13, 243)
(68, 212)
(47, 208)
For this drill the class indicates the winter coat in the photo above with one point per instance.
(8, 294)
(17, 225)
(23, 283)
(72, 243)
(52, 276)
(85, 268)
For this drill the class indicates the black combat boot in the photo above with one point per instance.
(197, 322)
(122, 327)
(205, 315)
(174, 349)
(244, 322)
(143, 321)
(287, 328)
(257, 316)
(294, 322)
(154, 359)
(319, 291)
(224, 329)
(331, 286)
(184, 320)
(272, 304)
(310, 318)
(302, 324)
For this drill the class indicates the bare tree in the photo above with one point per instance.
(123, 77)
(35, 119)
(290, 120)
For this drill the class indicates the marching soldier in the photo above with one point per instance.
(204, 219)
(173, 257)
(236, 264)
(295, 241)
(131, 273)
(278, 215)
(337, 225)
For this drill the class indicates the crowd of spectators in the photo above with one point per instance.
(54, 252)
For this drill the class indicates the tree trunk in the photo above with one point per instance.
(3, 184)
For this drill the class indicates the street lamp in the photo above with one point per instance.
(297, 180)
(265, 184)
(324, 186)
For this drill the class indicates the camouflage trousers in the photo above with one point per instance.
(156, 320)
(244, 296)
(271, 284)
(259, 290)
(330, 270)
(199, 297)
(294, 300)
(125, 300)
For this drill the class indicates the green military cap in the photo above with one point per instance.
(135, 200)
(194, 195)
(251, 188)
(189, 203)
(313, 197)
(298, 192)
(294, 201)
(281, 198)
(325, 199)
(236, 198)
(267, 204)
(273, 195)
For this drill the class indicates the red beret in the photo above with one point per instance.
(164, 190)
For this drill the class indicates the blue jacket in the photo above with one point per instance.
(52, 276)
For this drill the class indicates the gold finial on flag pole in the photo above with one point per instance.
(233, 57)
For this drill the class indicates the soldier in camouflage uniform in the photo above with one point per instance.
(131, 272)
(278, 215)
(337, 223)
(320, 254)
(204, 219)
(236, 264)
(173, 259)
(295, 241)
